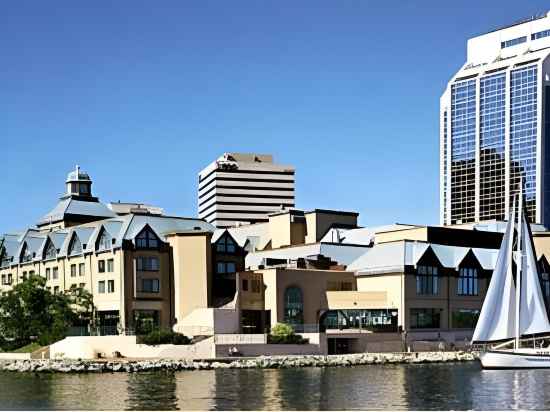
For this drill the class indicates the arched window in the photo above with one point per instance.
(104, 241)
(146, 239)
(294, 306)
(467, 282)
(75, 247)
(50, 252)
(26, 255)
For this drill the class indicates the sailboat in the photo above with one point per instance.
(514, 311)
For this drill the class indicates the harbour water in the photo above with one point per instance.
(458, 386)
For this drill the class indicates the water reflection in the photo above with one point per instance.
(451, 386)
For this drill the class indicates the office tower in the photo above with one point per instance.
(494, 130)
(244, 188)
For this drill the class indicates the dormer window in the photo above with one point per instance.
(75, 247)
(104, 241)
(50, 251)
(146, 239)
(26, 255)
(225, 245)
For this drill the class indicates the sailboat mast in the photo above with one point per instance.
(519, 261)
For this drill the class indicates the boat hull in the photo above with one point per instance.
(526, 359)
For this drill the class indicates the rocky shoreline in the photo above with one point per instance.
(263, 362)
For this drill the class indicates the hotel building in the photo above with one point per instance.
(494, 126)
(244, 188)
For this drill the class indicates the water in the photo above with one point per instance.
(443, 386)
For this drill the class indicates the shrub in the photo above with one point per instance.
(282, 333)
(161, 337)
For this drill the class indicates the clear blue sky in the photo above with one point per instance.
(144, 94)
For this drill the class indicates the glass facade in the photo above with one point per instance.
(540, 34)
(445, 117)
(492, 170)
(463, 132)
(523, 135)
(513, 42)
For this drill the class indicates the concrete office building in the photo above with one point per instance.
(244, 188)
(494, 127)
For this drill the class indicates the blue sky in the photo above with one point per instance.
(144, 94)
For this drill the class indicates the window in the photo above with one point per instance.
(540, 34)
(465, 318)
(513, 42)
(75, 247)
(105, 241)
(73, 271)
(101, 286)
(4, 280)
(26, 255)
(225, 245)
(256, 286)
(245, 285)
(81, 285)
(48, 273)
(73, 286)
(9, 279)
(425, 318)
(31, 273)
(426, 280)
(467, 282)
(148, 264)
(56, 290)
(55, 273)
(81, 269)
(150, 285)
(545, 285)
(51, 251)
(294, 306)
(110, 265)
(101, 266)
(24, 276)
(226, 267)
(110, 286)
(146, 239)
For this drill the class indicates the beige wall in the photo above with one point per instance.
(284, 231)
(392, 284)
(319, 222)
(313, 283)
(192, 271)
(542, 244)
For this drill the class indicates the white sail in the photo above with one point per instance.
(533, 317)
(497, 320)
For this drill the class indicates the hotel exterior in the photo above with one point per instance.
(345, 287)
(494, 127)
(244, 188)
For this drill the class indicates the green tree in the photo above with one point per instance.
(30, 312)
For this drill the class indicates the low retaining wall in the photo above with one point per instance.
(270, 349)
(10, 355)
(264, 362)
(88, 347)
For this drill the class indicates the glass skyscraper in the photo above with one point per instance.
(494, 134)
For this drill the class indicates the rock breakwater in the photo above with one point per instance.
(262, 362)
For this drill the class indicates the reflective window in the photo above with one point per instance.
(540, 34)
(468, 282)
(150, 286)
(513, 42)
(294, 306)
(463, 136)
(225, 245)
(147, 240)
(51, 251)
(465, 318)
(105, 241)
(427, 280)
(75, 247)
(523, 136)
(148, 264)
(26, 255)
(425, 318)
(492, 113)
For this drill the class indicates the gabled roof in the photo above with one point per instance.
(394, 256)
